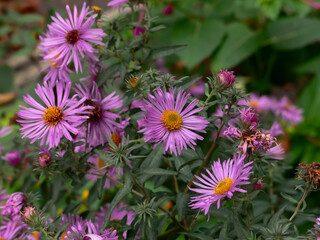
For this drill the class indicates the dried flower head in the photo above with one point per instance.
(310, 173)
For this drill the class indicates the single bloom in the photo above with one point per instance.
(68, 39)
(288, 111)
(101, 121)
(117, 214)
(197, 89)
(169, 120)
(14, 205)
(222, 181)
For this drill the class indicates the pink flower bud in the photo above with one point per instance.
(226, 77)
(168, 10)
(13, 157)
(258, 185)
(28, 212)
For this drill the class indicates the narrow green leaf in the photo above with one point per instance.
(182, 203)
(102, 181)
(165, 51)
(124, 190)
(157, 171)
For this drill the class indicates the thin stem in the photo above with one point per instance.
(173, 218)
(44, 232)
(141, 187)
(209, 97)
(301, 201)
(168, 232)
(175, 181)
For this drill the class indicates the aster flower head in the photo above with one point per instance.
(117, 214)
(222, 181)
(77, 221)
(197, 89)
(68, 39)
(12, 230)
(13, 157)
(44, 157)
(101, 121)
(288, 111)
(260, 104)
(226, 78)
(14, 205)
(248, 117)
(59, 117)
(168, 120)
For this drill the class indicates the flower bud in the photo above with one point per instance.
(168, 10)
(27, 213)
(44, 157)
(226, 78)
(258, 185)
(13, 157)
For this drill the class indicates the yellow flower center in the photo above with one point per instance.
(254, 104)
(172, 120)
(100, 163)
(36, 234)
(52, 116)
(116, 138)
(133, 82)
(85, 194)
(63, 236)
(95, 8)
(223, 186)
(2, 238)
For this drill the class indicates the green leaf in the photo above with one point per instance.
(27, 18)
(182, 203)
(102, 182)
(165, 51)
(152, 161)
(5, 30)
(156, 171)
(270, 8)
(240, 43)
(108, 73)
(202, 38)
(310, 66)
(187, 82)
(124, 191)
(293, 32)
(6, 79)
(200, 236)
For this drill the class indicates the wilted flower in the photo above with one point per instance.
(59, 117)
(14, 205)
(226, 78)
(223, 180)
(13, 157)
(167, 120)
(310, 173)
(251, 139)
(67, 39)
(101, 120)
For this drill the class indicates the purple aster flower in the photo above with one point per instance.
(12, 230)
(167, 120)
(69, 39)
(116, 3)
(99, 163)
(276, 152)
(117, 214)
(59, 117)
(74, 221)
(56, 73)
(35, 235)
(90, 231)
(223, 180)
(316, 227)
(226, 78)
(217, 122)
(4, 131)
(3, 194)
(260, 104)
(287, 111)
(275, 130)
(102, 121)
(14, 205)
(197, 89)
(13, 157)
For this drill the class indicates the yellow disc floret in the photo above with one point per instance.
(223, 186)
(52, 116)
(172, 120)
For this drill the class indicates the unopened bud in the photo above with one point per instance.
(27, 213)
(226, 78)
(258, 185)
(13, 157)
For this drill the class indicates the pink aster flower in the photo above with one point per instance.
(70, 38)
(168, 120)
(116, 3)
(248, 117)
(77, 221)
(260, 104)
(275, 130)
(102, 121)
(12, 230)
(222, 181)
(117, 214)
(287, 111)
(59, 117)
(90, 231)
(14, 205)
(197, 89)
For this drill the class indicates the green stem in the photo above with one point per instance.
(209, 97)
